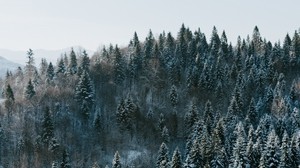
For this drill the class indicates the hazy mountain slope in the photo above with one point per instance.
(51, 55)
(7, 65)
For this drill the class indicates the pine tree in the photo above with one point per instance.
(194, 158)
(239, 150)
(295, 150)
(285, 161)
(29, 90)
(61, 68)
(176, 159)
(72, 69)
(119, 67)
(252, 112)
(98, 124)
(271, 151)
(10, 98)
(173, 96)
(165, 135)
(50, 72)
(162, 158)
(30, 68)
(47, 127)
(208, 116)
(191, 117)
(117, 161)
(65, 160)
(84, 93)
(85, 62)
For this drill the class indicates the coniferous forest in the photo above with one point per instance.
(188, 100)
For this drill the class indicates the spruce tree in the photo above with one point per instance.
(61, 68)
(50, 73)
(117, 161)
(85, 62)
(65, 160)
(162, 160)
(72, 69)
(176, 159)
(29, 91)
(47, 127)
(119, 66)
(10, 98)
(173, 96)
(285, 161)
(84, 93)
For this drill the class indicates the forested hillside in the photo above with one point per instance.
(171, 101)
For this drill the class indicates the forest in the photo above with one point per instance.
(169, 101)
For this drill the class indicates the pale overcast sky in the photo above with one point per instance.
(56, 24)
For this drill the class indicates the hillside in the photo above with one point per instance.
(185, 100)
(7, 65)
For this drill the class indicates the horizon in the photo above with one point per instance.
(56, 25)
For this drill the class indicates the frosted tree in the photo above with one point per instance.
(119, 66)
(176, 159)
(116, 163)
(65, 160)
(191, 117)
(73, 68)
(47, 127)
(29, 90)
(84, 94)
(239, 158)
(162, 160)
(61, 68)
(165, 135)
(285, 161)
(50, 73)
(29, 67)
(194, 158)
(208, 116)
(85, 62)
(271, 154)
(252, 112)
(295, 150)
(173, 96)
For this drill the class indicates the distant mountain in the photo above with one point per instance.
(7, 65)
(51, 55)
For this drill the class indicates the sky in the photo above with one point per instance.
(57, 24)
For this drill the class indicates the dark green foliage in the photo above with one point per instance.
(29, 90)
(65, 160)
(47, 127)
(73, 68)
(50, 72)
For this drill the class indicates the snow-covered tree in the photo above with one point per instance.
(176, 159)
(162, 160)
(116, 163)
(29, 90)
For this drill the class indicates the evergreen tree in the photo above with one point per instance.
(173, 96)
(194, 158)
(50, 72)
(10, 98)
(29, 90)
(47, 127)
(285, 161)
(208, 116)
(295, 150)
(252, 112)
(65, 160)
(73, 63)
(176, 159)
(163, 158)
(30, 68)
(119, 67)
(85, 62)
(84, 93)
(61, 68)
(117, 161)
(191, 117)
(165, 135)
(271, 153)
